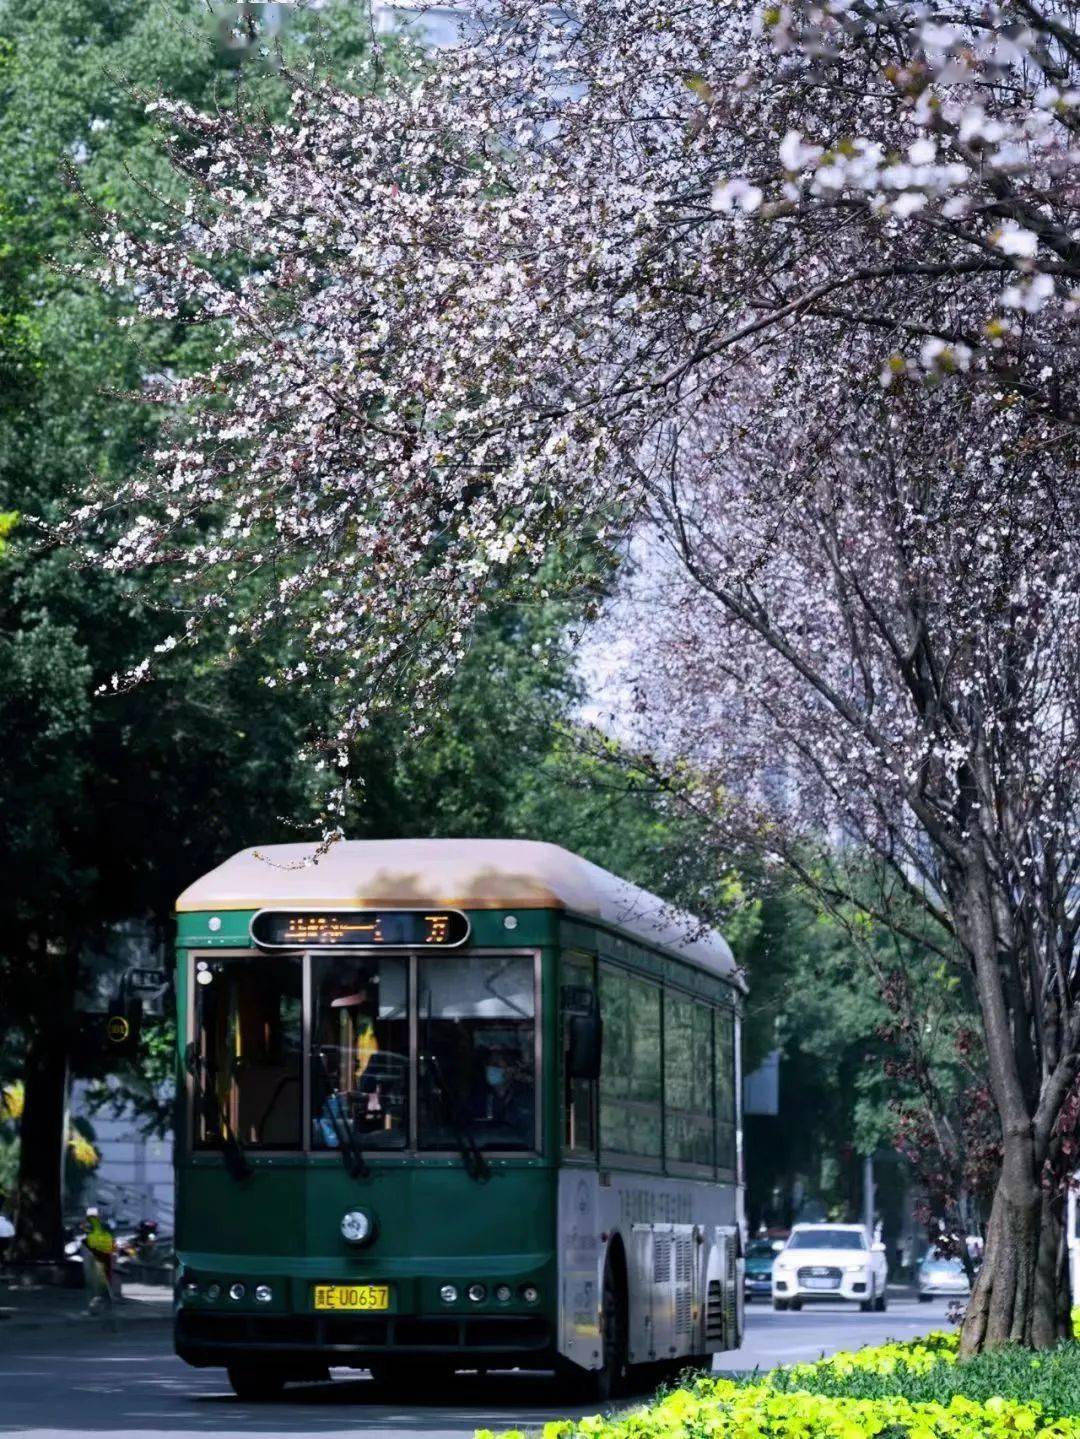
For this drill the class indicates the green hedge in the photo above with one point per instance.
(1050, 1379)
(895, 1391)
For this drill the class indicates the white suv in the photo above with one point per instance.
(829, 1261)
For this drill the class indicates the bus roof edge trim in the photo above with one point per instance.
(454, 874)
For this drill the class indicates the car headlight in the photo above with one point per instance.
(855, 1268)
(356, 1227)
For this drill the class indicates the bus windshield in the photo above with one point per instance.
(247, 1053)
(359, 1051)
(467, 1061)
(477, 1051)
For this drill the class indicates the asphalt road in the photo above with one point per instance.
(72, 1380)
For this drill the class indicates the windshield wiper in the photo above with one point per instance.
(352, 1153)
(472, 1157)
(232, 1150)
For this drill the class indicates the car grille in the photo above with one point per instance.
(819, 1276)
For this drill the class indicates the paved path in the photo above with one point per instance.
(70, 1380)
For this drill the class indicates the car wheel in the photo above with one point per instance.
(780, 1304)
(881, 1303)
(795, 1303)
(925, 1298)
(256, 1386)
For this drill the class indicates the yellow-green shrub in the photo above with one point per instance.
(781, 1406)
(723, 1409)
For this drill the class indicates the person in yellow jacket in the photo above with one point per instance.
(366, 1044)
(99, 1247)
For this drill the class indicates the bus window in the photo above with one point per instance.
(579, 1095)
(725, 1088)
(688, 1085)
(248, 1037)
(359, 1051)
(477, 1076)
(630, 1115)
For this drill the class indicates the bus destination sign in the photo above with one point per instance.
(359, 929)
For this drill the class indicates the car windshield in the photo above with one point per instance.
(948, 1266)
(827, 1239)
(760, 1249)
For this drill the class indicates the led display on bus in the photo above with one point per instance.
(359, 929)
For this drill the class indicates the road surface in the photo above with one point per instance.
(74, 1379)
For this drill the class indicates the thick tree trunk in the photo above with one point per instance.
(40, 1186)
(1021, 1293)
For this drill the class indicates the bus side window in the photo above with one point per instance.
(688, 1081)
(631, 1083)
(725, 1088)
(579, 1095)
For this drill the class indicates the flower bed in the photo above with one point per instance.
(915, 1390)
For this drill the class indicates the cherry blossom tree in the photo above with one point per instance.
(798, 279)
(869, 638)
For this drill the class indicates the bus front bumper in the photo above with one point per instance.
(206, 1339)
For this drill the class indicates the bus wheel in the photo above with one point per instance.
(597, 1386)
(257, 1386)
(611, 1380)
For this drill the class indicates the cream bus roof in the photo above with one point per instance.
(455, 874)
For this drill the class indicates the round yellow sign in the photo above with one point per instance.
(117, 1028)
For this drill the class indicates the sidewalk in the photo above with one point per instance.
(42, 1306)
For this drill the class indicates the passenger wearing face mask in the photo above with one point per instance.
(503, 1097)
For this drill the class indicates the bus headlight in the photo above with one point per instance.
(448, 1294)
(477, 1293)
(530, 1293)
(263, 1293)
(356, 1227)
(236, 1291)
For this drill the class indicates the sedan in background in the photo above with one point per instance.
(942, 1279)
(760, 1254)
(830, 1262)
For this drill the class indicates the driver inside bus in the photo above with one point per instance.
(357, 1076)
(366, 1043)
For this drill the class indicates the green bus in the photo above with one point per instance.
(458, 1104)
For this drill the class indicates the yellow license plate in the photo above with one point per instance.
(352, 1296)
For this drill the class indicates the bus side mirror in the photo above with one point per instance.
(584, 1045)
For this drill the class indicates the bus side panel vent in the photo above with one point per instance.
(684, 1283)
(731, 1297)
(714, 1313)
(661, 1259)
(684, 1260)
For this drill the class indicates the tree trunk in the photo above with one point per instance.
(40, 1186)
(1021, 1293)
